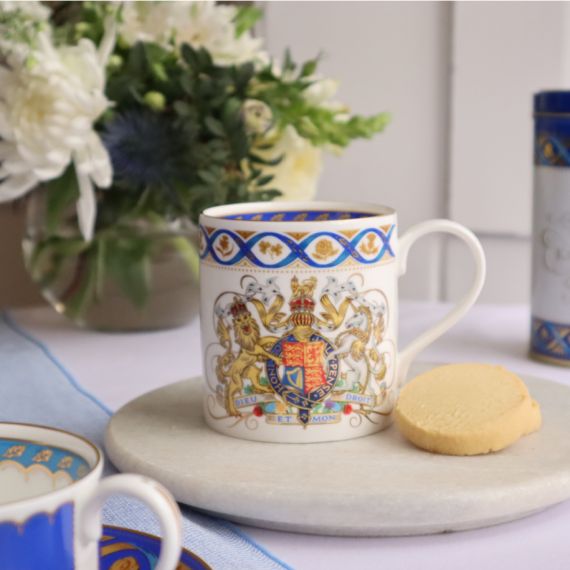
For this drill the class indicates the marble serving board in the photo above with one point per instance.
(379, 485)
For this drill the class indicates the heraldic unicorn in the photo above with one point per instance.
(303, 356)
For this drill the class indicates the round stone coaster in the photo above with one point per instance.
(373, 486)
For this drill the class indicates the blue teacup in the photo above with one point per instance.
(51, 494)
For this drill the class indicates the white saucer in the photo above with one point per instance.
(372, 486)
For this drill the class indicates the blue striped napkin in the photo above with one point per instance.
(36, 388)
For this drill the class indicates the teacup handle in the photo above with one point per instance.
(405, 243)
(155, 496)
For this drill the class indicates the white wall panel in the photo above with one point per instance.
(508, 270)
(503, 52)
(388, 56)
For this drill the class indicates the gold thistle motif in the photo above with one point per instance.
(277, 217)
(224, 248)
(274, 250)
(370, 247)
(324, 249)
(43, 456)
(14, 451)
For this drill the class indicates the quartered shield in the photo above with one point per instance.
(307, 373)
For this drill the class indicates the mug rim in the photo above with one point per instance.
(371, 211)
(94, 466)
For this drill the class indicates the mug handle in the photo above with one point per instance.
(406, 356)
(155, 496)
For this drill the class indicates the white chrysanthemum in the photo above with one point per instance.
(200, 24)
(47, 112)
(297, 175)
(33, 10)
(20, 22)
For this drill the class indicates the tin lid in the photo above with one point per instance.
(552, 102)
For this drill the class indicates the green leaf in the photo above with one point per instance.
(189, 55)
(48, 256)
(265, 180)
(60, 194)
(80, 299)
(246, 17)
(244, 75)
(231, 113)
(288, 63)
(267, 162)
(128, 262)
(204, 58)
(214, 126)
(264, 195)
(189, 253)
(309, 67)
(209, 177)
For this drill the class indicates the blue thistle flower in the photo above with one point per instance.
(145, 149)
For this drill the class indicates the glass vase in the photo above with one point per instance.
(140, 274)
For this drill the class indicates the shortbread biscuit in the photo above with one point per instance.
(466, 409)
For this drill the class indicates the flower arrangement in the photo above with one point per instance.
(140, 114)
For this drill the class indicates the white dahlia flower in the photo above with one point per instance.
(200, 24)
(47, 112)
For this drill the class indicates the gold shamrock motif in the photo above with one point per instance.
(274, 250)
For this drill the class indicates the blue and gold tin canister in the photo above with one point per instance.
(550, 331)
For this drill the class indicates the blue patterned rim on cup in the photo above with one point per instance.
(28, 455)
(298, 216)
(42, 469)
(267, 246)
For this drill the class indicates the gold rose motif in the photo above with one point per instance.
(14, 451)
(324, 249)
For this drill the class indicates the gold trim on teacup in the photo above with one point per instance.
(97, 463)
(189, 553)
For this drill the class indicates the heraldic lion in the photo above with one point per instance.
(232, 370)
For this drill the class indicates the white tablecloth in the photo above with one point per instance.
(118, 367)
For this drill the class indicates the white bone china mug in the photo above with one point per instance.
(51, 495)
(299, 311)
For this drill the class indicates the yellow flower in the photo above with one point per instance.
(297, 175)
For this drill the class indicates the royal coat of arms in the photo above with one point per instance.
(323, 359)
